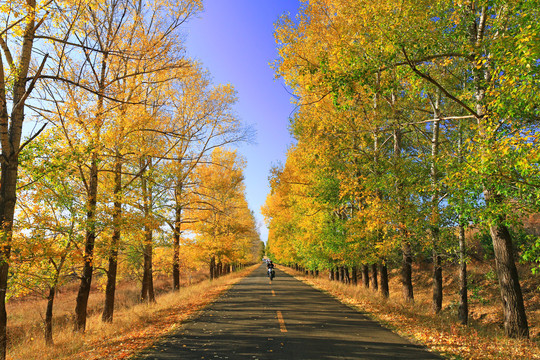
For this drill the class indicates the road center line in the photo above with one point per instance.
(281, 322)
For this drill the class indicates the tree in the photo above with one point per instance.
(47, 227)
(24, 23)
(225, 227)
(377, 59)
(111, 66)
(203, 115)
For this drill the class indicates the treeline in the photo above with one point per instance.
(417, 121)
(123, 165)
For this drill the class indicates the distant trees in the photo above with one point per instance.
(227, 229)
(407, 133)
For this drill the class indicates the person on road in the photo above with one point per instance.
(270, 267)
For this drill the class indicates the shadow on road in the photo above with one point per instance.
(243, 324)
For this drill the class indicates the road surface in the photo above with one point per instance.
(284, 319)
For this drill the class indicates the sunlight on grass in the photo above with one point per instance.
(133, 329)
(439, 333)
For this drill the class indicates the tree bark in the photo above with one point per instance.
(374, 280)
(49, 316)
(515, 318)
(219, 269)
(365, 275)
(437, 283)
(176, 247)
(7, 210)
(406, 273)
(434, 226)
(147, 291)
(11, 127)
(406, 262)
(88, 258)
(110, 290)
(88, 267)
(463, 309)
(384, 281)
(212, 267)
(355, 275)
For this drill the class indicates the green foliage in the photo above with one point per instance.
(362, 75)
(531, 254)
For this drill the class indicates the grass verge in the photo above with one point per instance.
(440, 333)
(133, 329)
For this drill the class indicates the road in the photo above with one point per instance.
(284, 319)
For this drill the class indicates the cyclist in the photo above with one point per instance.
(270, 267)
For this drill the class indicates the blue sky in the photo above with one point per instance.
(234, 41)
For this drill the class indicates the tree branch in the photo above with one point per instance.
(439, 86)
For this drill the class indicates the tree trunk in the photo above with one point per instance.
(8, 178)
(331, 275)
(49, 316)
(212, 267)
(437, 283)
(88, 267)
(219, 269)
(176, 247)
(347, 276)
(147, 291)
(515, 319)
(406, 273)
(178, 195)
(342, 274)
(354, 275)
(374, 280)
(365, 275)
(10, 142)
(406, 261)
(110, 290)
(384, 281)
(435, 231)
(463, 309)
(176, 260)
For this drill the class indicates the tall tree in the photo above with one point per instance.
(108, 60)
(225, 226)
(23, 65)
(335, 49)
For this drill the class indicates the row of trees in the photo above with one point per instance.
(124, 150)
(416, 121)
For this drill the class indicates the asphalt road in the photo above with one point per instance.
(285, 319)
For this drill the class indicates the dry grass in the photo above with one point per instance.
(135, 325)
(482, 339)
